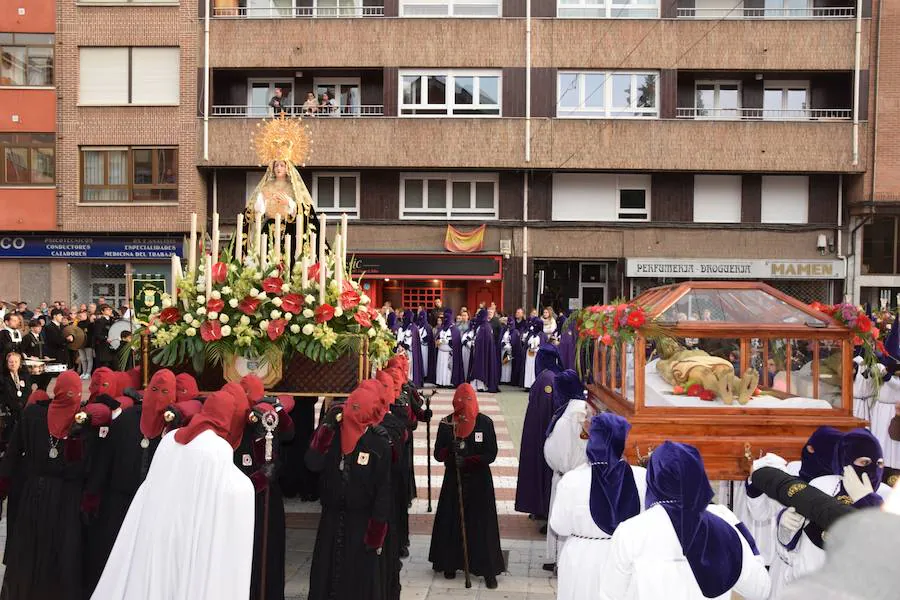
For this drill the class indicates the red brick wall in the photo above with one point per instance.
(886, 170)
(39, 16)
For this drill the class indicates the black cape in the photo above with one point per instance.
(482, 528)
(343, 567)
(398, 524)
(295, 478)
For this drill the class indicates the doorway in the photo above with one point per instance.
(593, 281)
(261, 91)
(344, 93)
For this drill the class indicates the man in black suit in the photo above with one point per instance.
(11, 334)
(33, 345)
(55, 345)
(104, 355)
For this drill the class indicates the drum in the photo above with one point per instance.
(115, 332)
(78, 337)
(35, 367)
(56, 368)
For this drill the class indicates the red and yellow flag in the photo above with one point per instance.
(468, 241)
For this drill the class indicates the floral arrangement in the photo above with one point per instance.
(866, 335)
(609, 324)
(260, 307)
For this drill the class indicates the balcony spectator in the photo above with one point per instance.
(311, 106)
(329, 106)
(278, 102)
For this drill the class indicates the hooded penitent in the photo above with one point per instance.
(676, 480)
(185, 387)
(547, 358)
(485, 362)
(360, 411)
(818, 456)
(104, 381)
(614, 494)
(253, 387)
(38, 396)
(223, 414)
(389, 383)
(65, 404)
(449, 328)
(383, 404)
(860, 443)
(157, 397)
(465, 410)
(566, 386)
(891, 357)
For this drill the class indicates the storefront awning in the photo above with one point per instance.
(428, 266)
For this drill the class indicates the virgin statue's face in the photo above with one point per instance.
(280, 169)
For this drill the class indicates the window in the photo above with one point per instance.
(28, 159)
(449, 8)
(879, 256)
(788, 8)
(612, 94)
(718, 99)
(785, 199)
(137, 174)
(336, 193)
(127, 2)
(448, 195)
(26, 59)
(607, 9)
(118, 76)
(786, 100)
(454, 93)
(717, 198)
(600, 197)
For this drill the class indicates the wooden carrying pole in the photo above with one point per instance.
(462, 518)
(145, 358)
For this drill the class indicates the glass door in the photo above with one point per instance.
(718, 99)
(261, 91)
(786, 100)
(338, 96)
(338, 8)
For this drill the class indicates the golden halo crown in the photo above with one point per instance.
(282, 138)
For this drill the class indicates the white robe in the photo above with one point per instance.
(531, 349)
(404, 339)
(863, 392)
(443, 375)
(646, 562)
(758, 514)
(882, 413)
(586, 545)
(564, 450)
(424, 349)
(505, 358)
(188, 534)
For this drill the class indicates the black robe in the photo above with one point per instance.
(12, 401)
(343, 567)
(294, 476)
(398, 524)
(118, 470)
(482, 528)
(44, 544)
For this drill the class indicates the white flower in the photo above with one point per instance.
(262, 297)
(190, 332)
(363, 299)
(213, 315)
(263, 325)
(233, 303)
(295, 329)
(310, 299)
(216, 295)
(226, 290)
(338, 311)
(285, 288)
(226, 330)
(276, 301)
(195, 324)
(275, 314)
(201, 310)
(188, 317)
(201, 299)
(253, 292)
(308, 313)
(154, 310)
(354, 285)
(154, 329)
(273, 273)
(288, 316)
(308, 329)
(223, 318)
(371, 332)
(232, 268)
(381, 321)
(245, 320)
(166, 302)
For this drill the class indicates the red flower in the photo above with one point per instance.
(857, 341)
(362, 317)
(272, 285)
(211, 331)
(345, 286)
(695, 390)
(606, 339)
(170, 315)
(215, 305)
(349, 299)
(219, 272)
(876, 333)
(313, 272)
(292, 303)
(596, 309)
(864, 324)
(248, 305)
(324, 313)
(707, 395)
(636, 319)
(817, 306)
(276, 328)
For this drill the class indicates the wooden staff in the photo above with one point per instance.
(270, 423)
(428, 444)
(462, 517)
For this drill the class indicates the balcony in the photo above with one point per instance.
(762, 114)
(624, 144)
(256, 112)
(825, 12)
(299, 12)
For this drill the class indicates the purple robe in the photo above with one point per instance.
(567, 345)
(457, 377)
(413, 351)
(485, 362)
(428, 340)
(535, 477)
(518, 358)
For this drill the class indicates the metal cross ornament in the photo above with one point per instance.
(269, 423)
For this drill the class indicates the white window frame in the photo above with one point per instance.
(604, 9)
(645, 184)
(337, 210)
(429, 9)
(273, 82)
(716, 108)
(447, 213)
(580, 112)
(449, 92)
(784, 86)
(127, 2)
(129, 84)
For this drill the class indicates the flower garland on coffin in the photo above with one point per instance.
(866, 335)
(609, 324)
(261, 306)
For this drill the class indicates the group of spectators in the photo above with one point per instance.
(324, 105)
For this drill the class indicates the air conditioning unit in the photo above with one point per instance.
(506, 247)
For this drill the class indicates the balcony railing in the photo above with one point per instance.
(259, 112)
(300, 12)
(768, 13)
(765, 114)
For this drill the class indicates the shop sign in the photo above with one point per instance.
(101, 248)
(427, 266)
(712, 268)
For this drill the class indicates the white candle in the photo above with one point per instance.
(207, 277)
(257, 233)
(176, 267)
(304, 268)
(215, 238)
(299, 236)
(344, 240)
(276, 243)
(287, 257)
(322, 265)
(314, 248)
(263, 254)
(192, 248)
(338, 267)
(239, 239)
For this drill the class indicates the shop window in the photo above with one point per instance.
(336, 193)
(448, 196)
(26, 59)
(121, 175)
(28, 159)
(121, 76)
(880, 247)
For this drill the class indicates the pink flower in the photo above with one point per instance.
(362, 317)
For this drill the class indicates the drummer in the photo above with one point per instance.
(33, 347)
(55, 340)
